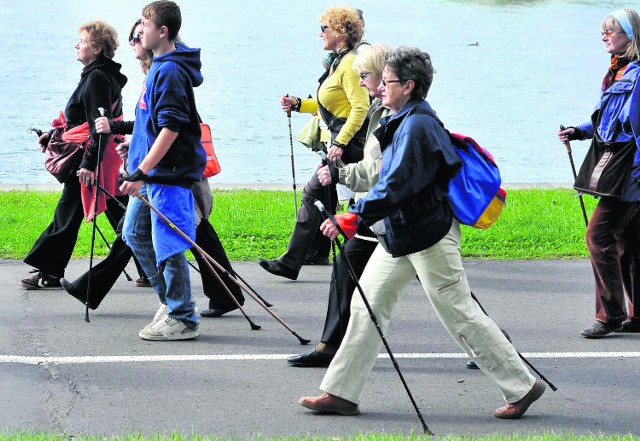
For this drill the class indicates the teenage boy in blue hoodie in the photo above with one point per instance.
(165, 159)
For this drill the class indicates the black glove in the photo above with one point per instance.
(137, 175)
(577, 134)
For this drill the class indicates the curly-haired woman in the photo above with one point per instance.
(342, 105)
(100, 86)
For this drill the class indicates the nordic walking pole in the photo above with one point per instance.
(254, 291)
(95, 225)
(238, 276)
(343, 326)
(542, 377)
(190, 264)
(220, 267)
(567, 145)
(293, 166)
(254, 327)
(372, 314)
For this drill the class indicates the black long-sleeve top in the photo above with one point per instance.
(100, 85)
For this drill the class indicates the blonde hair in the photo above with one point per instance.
(102, 36)
(371, 59)
(633, 48)
(345, 23)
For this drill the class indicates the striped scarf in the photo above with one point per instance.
(618, 65)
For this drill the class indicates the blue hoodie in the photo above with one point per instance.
(167, 100)
(620, 122)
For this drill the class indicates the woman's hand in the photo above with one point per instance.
(328, 229)
(43, 140)
(86, 177)
(288, 103)
(324, 175)
(102, 125)
(123, 150)
(335, 154)
(566, 135)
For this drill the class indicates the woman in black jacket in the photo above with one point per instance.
(100, 86)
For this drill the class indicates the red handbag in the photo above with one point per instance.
(213, 166)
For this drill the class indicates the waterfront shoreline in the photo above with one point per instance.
(259, 186)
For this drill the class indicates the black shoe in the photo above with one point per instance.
(216, 312)
(629, 326)
(315, 260)
(311, 358)
(278, 269)
(598, 329)
(472, 364)
(80, 296)
(40, 280)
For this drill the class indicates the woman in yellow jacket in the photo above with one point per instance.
(342, 104)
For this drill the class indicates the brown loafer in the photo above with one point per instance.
(327, 403)
(512, 411)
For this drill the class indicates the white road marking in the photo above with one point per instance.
(163, 358)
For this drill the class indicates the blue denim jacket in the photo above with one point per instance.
(619, 113)
(418, 161)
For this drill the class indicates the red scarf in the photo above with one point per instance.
(618, 65)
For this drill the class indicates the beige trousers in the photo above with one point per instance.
(443, 278)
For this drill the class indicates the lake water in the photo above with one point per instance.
(536, 65)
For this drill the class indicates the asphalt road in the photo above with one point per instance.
(64, 375)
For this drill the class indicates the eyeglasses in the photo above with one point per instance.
(364, 75)
(323, 28)
(609, 34)
(385, 82)
(135, 38)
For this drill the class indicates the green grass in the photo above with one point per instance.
(536, 224)
(26, 436)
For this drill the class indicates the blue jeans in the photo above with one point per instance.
(172, 285)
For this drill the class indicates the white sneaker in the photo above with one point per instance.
(160, 313)
(168, 329)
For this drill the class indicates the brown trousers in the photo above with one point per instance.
(613, 239)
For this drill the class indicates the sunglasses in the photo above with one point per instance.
(609, 33)
(323, 28)
(135, 38)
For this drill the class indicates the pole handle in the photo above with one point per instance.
(289, 112)
(567, 144)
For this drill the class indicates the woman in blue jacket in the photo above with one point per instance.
(409, 210)
(613, 234)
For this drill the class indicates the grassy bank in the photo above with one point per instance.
(536, 224)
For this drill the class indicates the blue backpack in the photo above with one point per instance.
(474, 192)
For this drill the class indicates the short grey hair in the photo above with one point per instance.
(410, 63)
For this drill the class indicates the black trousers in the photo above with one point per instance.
(105, 274)
(53, 249)
(208, 240)
(342, 287)
(308, 223)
